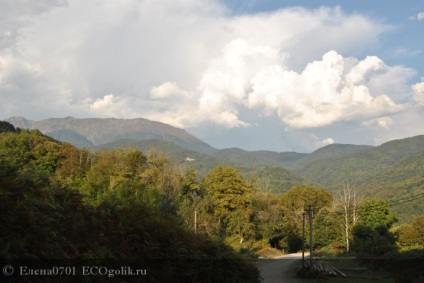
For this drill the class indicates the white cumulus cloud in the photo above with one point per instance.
(418, 94)
(106, 101)
(332, 89)
(166, 90)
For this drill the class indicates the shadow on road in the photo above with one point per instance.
(282, 269)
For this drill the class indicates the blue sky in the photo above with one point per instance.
(274, 75)
(401, 45)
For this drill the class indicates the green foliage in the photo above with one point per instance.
(292, 205)
(267, 216)
(28, 153)
(393, 170)
(73, 165)
(280, 179)
(60, 202)
(411, 236)
(362, 164)
(327, 230)
(375, 213)
(372, 241)
(328, 153)
(298, 199)
(231, 198)
(227, 189)
(371, 235)
(403, 179)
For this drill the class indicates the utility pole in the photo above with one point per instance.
(303, 240)
(195, 220)
(311, 244)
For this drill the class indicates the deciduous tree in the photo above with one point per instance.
(231, 196)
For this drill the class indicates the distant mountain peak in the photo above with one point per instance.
(105, 130)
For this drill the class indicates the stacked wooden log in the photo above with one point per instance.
(326, 270)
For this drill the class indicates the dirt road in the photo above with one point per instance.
(281, 269)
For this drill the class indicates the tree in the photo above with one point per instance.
(372, 241)
(376, 212)
(28, 153)
(73, 165)
(292, 205)
(6, 127)
(347, 204)
(411, 236)
(99, 178)
(231, 196)
(326, 230)
(371, 235)
(227, 189)
(267, 216)
(263, 185)
(190, 195)
(159, 174)
(294, 202)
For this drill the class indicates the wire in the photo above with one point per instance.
(407, 200)
(397, 202)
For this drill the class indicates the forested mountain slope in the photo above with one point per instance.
(401, 183)
(286, 159)
(327, 153)
(179, 155)
(236, 156)
(249, 164)
(362, 165)
(71, 137)
(393, 170)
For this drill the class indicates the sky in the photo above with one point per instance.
(254, 74)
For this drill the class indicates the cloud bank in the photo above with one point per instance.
(193, 63)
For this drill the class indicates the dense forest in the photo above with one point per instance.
(61, 202)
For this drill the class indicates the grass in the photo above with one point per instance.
(252, 249)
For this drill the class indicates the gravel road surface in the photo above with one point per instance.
(281, 269)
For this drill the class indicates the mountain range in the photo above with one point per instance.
(393, 170)
(95, 131)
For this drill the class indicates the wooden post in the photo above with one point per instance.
(195, 220)
(311, 243)
(303, 240)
